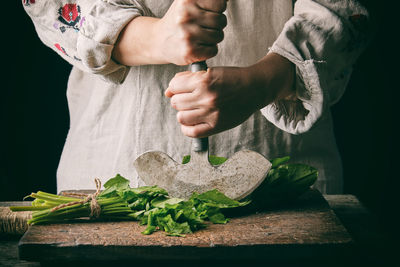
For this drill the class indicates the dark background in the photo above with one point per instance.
(34, 115)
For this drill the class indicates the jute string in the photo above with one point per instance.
(95, 208)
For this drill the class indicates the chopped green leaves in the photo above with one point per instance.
(215, 198)
(162, 201)
(178, 217)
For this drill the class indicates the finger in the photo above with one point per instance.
(168, 93)
(202, 35)
(203, 52)
(212, 5)
(191, 117)
(197, 131)
(183, 82)
(211, 20)
(184, 101)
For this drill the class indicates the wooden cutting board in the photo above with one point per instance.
(307, 229)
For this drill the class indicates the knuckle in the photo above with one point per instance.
(212, 125)
(211, 51)
(188, 131)
(179, 117)
(195, 132)
(220, 5)
(173, 104)
(186, 2)
(218, 36)
(184, 14)
(204, 87)
(189, 54)
(183, 17)
(212, 100)
(214, 51)
(214, 120)
(223, 21)
(208, 76)
(217, 118)
(187, 38)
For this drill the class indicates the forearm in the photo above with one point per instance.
(137, 44)
(187, 33)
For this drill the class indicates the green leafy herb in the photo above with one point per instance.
(279, 161)
(214, 160)
(214, 198)
(284, 183)
(115, 185)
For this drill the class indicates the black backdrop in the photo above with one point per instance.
(34, 114)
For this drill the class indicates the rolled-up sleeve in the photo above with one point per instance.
(323, 39)
(84, 32)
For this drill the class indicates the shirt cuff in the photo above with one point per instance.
(323, 39)
(298, 115)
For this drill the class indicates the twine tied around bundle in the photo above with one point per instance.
(95, 208)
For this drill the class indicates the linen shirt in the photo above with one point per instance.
(118, 112)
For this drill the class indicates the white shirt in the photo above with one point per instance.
(118, 112)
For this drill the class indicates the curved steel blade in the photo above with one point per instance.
(238, 177)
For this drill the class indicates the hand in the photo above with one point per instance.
(191, 30)
(188, 32)
(212, 101)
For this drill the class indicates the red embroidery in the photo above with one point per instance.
(61, 49)
(28, 2)
(69, 15)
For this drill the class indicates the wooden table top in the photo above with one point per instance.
(372, 245)
(308, 228)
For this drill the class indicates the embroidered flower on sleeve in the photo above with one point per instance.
(69, 16)
(28, 2)
(62, 50)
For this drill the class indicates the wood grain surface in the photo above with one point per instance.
(307, 229)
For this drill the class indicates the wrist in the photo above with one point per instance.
(137, 43)
(274, 78)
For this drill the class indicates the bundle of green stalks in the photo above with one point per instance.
(45, 208)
